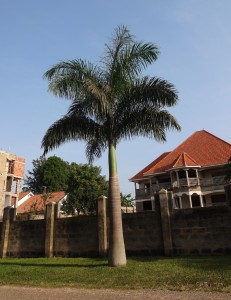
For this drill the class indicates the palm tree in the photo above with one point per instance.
(111, 102)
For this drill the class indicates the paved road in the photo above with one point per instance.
(28, 293)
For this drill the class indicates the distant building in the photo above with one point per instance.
(36, 204)
(193, 172)
(11, 174)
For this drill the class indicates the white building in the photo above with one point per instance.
(194, 172)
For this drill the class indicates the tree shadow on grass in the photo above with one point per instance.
(53, 265)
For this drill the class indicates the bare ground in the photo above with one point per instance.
(34, 293)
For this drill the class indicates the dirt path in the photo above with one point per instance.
(28, 293)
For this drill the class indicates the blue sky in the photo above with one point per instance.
(195, 44)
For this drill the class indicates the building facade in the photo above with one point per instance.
(11, 174)
(194, 172)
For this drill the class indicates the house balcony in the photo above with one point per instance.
(146, 193)
(206, 184)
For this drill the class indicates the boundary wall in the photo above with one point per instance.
(165, 231)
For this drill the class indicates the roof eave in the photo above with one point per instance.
(182, 167)
(213, 166)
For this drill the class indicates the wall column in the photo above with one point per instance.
(50, 220)
(9, 216)
(165, 222)
(190, 200)
(201, 200)
(102, 226)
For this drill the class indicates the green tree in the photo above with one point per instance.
(48, 175)
(85, 185)
(126, 200)
(111, 102)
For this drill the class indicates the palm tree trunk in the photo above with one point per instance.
(117, 256)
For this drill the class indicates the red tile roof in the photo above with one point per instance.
(20, 196)
(23, 194)
(139, 175)
(38, 202)
(200, 149)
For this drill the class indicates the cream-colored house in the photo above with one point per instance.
(194, 172)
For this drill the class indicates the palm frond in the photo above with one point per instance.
(152, 122)
(136, 58)
(144, 93)
(94, 148)
(70, 127)
(79, 80)
(67, 79)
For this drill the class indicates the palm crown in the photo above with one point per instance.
(110, 102)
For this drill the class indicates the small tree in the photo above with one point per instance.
(48, 174)
(85, 185)
(34, 180)
(127, 200)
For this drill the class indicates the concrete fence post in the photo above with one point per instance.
(165, 222)
(102, 226)
(49, 237)
(9, 215)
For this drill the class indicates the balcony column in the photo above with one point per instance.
(180, 201)
(171, 176)
(198, 178)
(157, 183)
(188, 183)
(135, 189)
(150, 182)
(190, 200)
(201, 200)
(177, 178)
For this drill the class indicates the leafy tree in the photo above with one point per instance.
(34, 180)
(85, 185)
(111, 102)
(48, 174)
(126, 200)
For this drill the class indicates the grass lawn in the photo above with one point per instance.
(210, 273)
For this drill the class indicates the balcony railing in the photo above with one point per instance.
(183, 182)
(212, 182)
(218, 180)
(143, 193)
